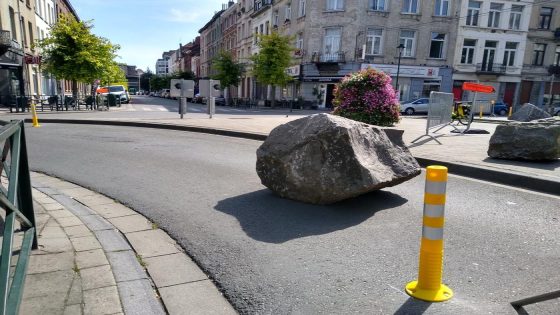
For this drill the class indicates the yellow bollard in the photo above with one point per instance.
(480, 115)
(510, 111)
(34, 117)
(428, 287)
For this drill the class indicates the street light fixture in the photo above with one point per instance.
(400, 48)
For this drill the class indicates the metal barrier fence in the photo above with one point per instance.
(17, 202)
(440, 111)
(19, 103)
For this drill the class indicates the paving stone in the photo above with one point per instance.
(131, 223)
(73, 206)
(63, 185)
(91, 258)
(112, 210)
(55, 245)
(125, 266)
(44, 200)
(75, 309)
(97, 277)
(95, 200)
(138, 297)
(85, 243)
(112, 240)
(48, 191)
(184, 270)
(52, 232)
(51, 262)
(70, 221)
(75, 295)
(77, 192)
(59, 284)
(96, 222)
(52, 206)
(102, 301)
(42, 305)
(200, 297)
(152, 243)
(61, 213)
(77, 231)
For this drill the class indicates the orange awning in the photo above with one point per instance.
(475, 87)
(102, 90)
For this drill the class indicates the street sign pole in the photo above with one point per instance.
(183, 105)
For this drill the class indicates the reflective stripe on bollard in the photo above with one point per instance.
(428, 287)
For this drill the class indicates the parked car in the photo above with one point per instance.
(556, 110)
(118, 91)
(220, 101)
(419, 105)
(199, 99)
(501, 108)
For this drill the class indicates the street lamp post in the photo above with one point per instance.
(400, 48)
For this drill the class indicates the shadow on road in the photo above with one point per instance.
(413, 306)
(268, 218)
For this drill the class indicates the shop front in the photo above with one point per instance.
(11, 77)
(416, 81)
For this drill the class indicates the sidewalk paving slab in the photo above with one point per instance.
(85, 264)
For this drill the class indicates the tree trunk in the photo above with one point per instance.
(226, 95)
(75, 91)
(273, 95)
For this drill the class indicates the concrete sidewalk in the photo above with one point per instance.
(464, 154)
(97, 256)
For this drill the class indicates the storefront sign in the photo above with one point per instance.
(405, 71)
(293, 71)
(32, 60)
(322, 79)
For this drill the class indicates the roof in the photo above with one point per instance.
(214, 18)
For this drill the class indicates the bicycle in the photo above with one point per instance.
(462, 113)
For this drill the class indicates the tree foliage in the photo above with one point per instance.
(269, 65)
(145, 80)
(72, 52)
(228, 70)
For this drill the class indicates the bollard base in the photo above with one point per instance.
(442, 294)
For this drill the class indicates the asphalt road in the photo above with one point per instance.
(275, 256)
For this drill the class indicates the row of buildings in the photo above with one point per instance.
(22, 22)
(440, 44)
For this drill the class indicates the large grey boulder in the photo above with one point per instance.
(322, 159)
(538, 141)
(529, 112)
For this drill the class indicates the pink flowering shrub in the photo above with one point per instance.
(367, 96)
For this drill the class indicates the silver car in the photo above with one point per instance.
(419, 105)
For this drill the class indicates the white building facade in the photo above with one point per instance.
(490, 48)
(45, 17)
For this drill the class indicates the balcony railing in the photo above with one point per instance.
(336, 57)
(490, 68)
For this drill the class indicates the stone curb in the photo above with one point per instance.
(149, 267)
(476, 172)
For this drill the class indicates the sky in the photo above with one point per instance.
(146, 28)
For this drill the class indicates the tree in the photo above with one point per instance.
(145, 80)
(269, 65)
(71, 52)
(228, 71)
(185, 75)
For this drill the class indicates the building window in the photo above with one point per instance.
(256, 39)
(407, 39)
(557, 56)
(494, 15)
(410, 6)
(509, 54)
(538, 54)
(441, 8)
(299, 41)
(275, 18)
(332, 40)
(13, 23)
(437, 45)
(545, 17)
(515, 17)
(288, 12)
(30, 26)
(374, 40)
(473, 13)
(467, 55)
(301, 8)
(335, 5)
(377, 5)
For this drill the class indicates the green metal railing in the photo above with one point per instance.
(17, 203)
